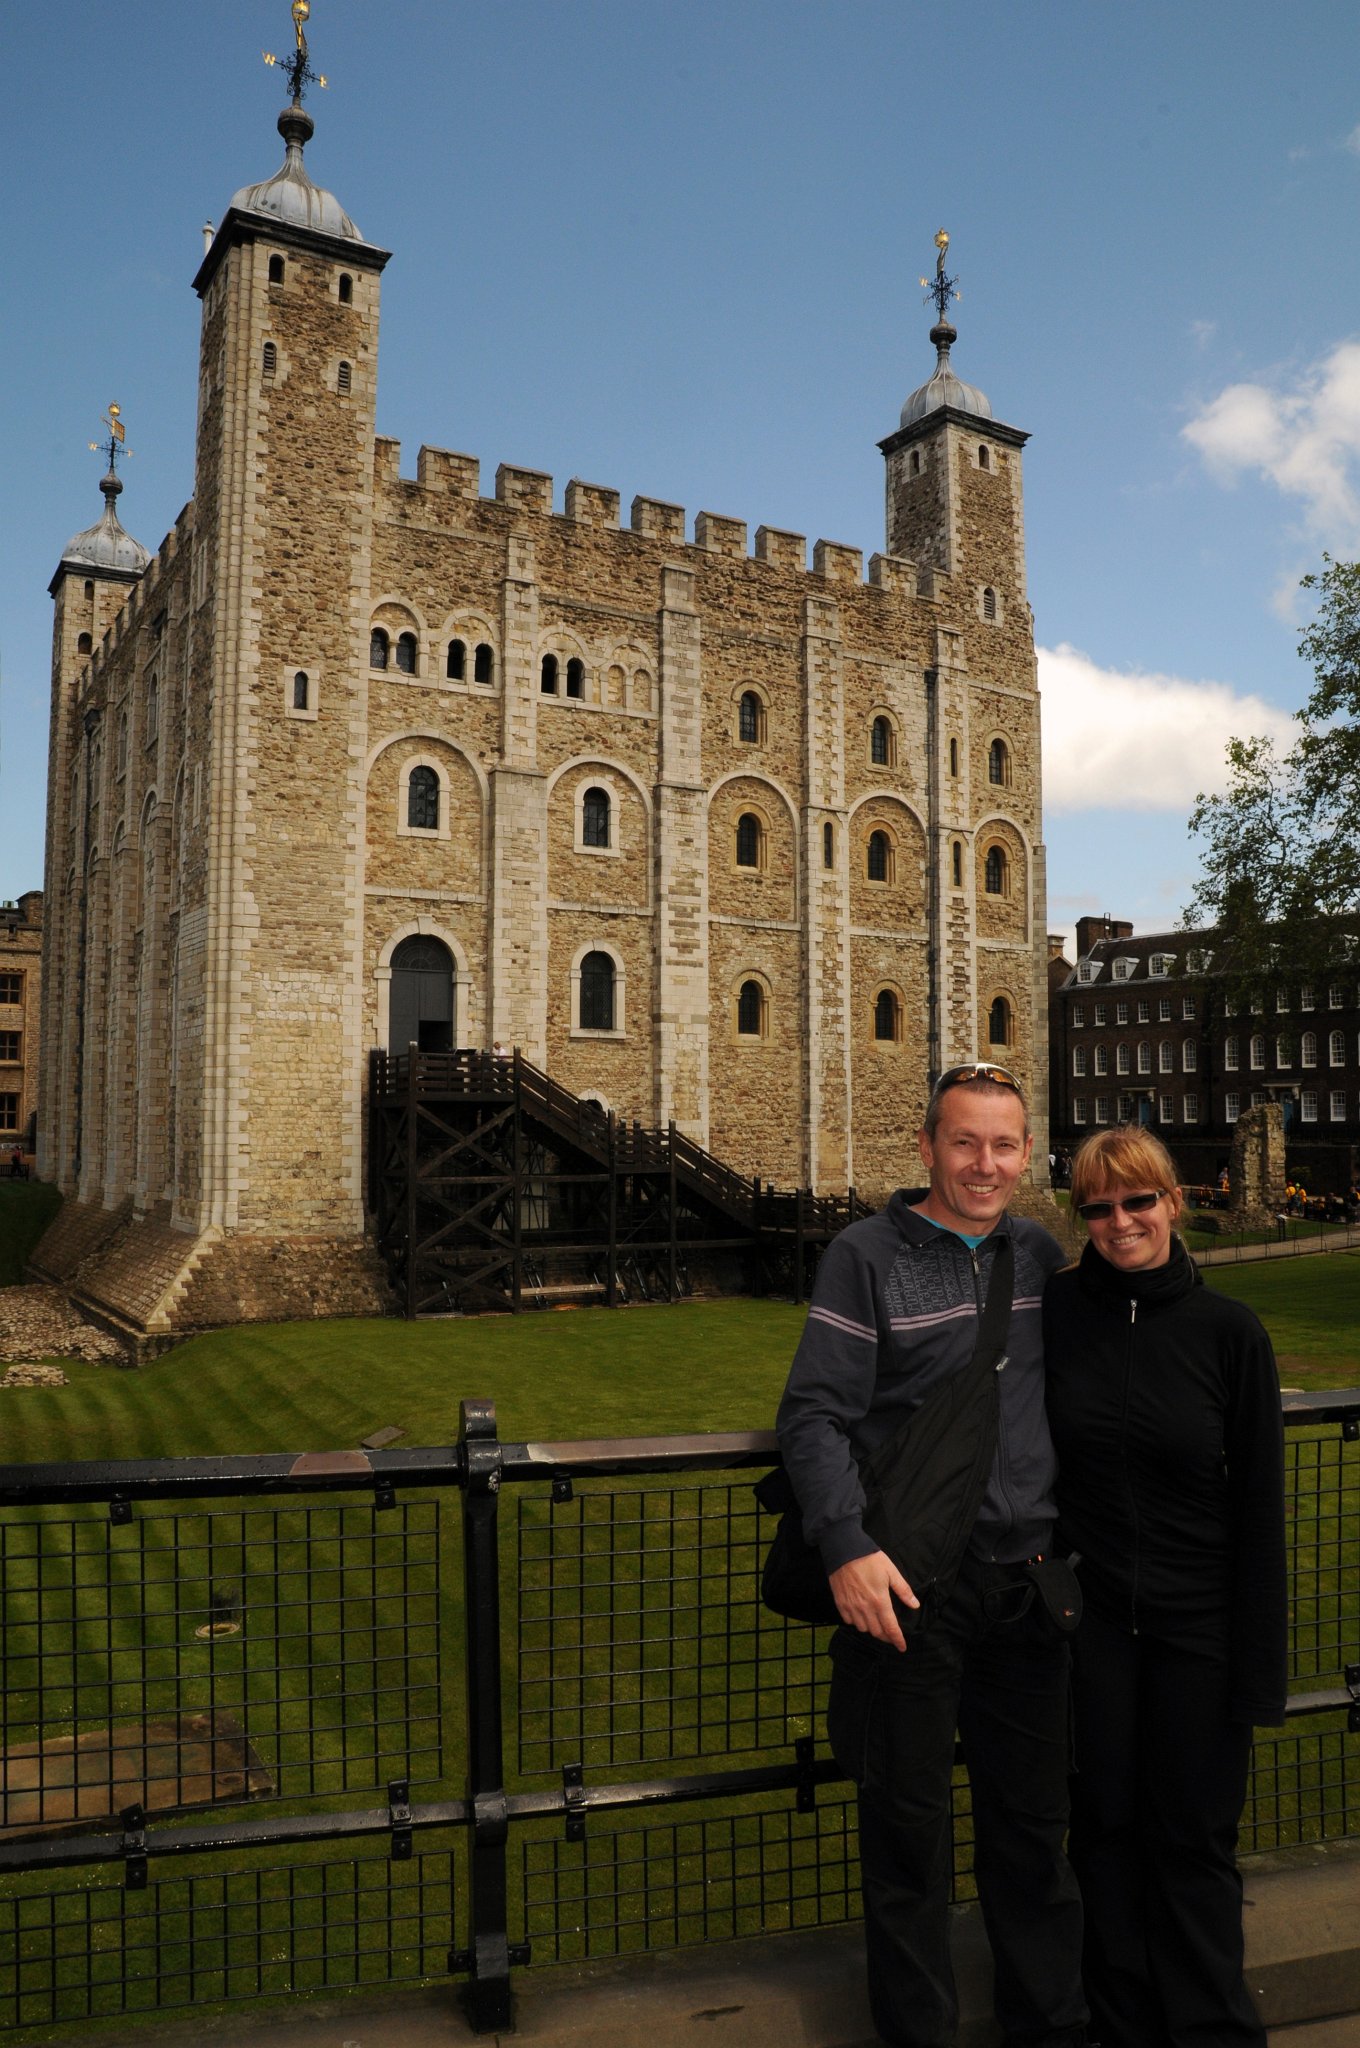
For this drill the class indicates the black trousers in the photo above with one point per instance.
(1003, 1684)
(1160, 1783)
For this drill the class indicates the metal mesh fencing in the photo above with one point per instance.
(1322, 1482)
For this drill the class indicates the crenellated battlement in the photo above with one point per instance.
(443, 475)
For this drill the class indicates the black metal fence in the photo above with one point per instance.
(279, 1725)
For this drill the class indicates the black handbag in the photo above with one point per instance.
(923, 1488)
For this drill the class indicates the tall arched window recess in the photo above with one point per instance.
(483, 664)
(547, 675)
(595, 818)
(999, 1025)
(378, 648)
(887, 1017)
(999, 764)
(749, 713)
(597, 992)
(406, 653)
(422, 800)
(751, 1010)
(576, 677)
(882, 748)
(878, 859)
(750, 840)
(455, 667)
(994, 871)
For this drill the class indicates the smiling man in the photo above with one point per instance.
(895, 1312)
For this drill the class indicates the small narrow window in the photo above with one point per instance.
(958, 863)
(269, 361)
(378, 645)
(828, 845)
(748, 718)
(422, 800)
(953, 757)
(406, 653)
(89, 587)
(483, 664)
(879, 857)
(998, 763)
(749, 837)
(881, 743)
(595, 818)
(999, 1022)
(547, 675)
(120, 752)
(751, 1010)
(346, 288)
(342, 379)
(887, 1015)
(456, 666)
(984, 458)
(300, 690)
(916, 462)
(276, 270)
(989, 603)
(85, 645)
(597, 992)
(153, 712)
(576, 677)
(994, 872)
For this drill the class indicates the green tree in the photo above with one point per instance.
(1281, 845)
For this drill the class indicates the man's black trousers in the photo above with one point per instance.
(1161, 1780)
(995, 1675)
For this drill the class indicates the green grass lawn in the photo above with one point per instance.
(26, 1209)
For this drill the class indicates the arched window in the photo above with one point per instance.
(420, 1007)
(878, 865)
(422, 800)
(1336, 1049)
(378, 645)
(999, 1022)
(576, 677)
(406, 653)
(85, 644)
(748, 718)
(953, 757)
(751, 1010)
(595, 818)
(984, 458)
(750, 840)
(597, 992)
(958, 863)
(998, 763)
(881, 743)
(276, 270)
(994, 871)
(828, 845)
(346, 288)
(1308, 1049)
(887, 1016)
(1258, 1050)
(989, 603)
(1144, 1056)
(456, 666)
(343, 379)
(269, 361)
(483, 664)
(547, 675)
(300, 690)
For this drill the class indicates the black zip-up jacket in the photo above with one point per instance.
(895, 1310)
(1164, 1404)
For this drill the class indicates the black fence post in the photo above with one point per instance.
(611, 1278)
(489, 1942)
(412, 1168)
(671, 1289)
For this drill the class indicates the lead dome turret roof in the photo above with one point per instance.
(107, 544)
(945, 387)
(290, 196)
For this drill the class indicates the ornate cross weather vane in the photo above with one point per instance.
(297, 68)
(941, 288)
(116, 444)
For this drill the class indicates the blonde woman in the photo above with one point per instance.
(1164, 1405)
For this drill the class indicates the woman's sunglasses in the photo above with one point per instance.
(1132, 1205)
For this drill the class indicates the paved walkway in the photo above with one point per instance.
(803, 1991)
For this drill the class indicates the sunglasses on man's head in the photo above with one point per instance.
(1132, 1205)
(976, 1070)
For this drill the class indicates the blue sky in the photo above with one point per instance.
(675, 249)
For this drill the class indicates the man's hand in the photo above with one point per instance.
(863, 1590)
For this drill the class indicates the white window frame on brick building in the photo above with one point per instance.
(1336, 1105)
(1308, 1048)
(1336, 996)
(1190, 1109)
(1306, 996)
(1336, 1049)
(619, 1027)
(1232, 1106)
(1102, 1109)
(1079, 1109)
(1308, 1105)
(1190, 1057)
(1079, 1062)
(1102, 1061)
(1232, 1052)
(1166, 1109)
(405, 831)
(1166, 1057)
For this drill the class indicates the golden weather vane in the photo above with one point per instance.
(298, 67)
(116, 444)
(941, 288)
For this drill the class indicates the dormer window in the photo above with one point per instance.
(1089, 970)
(1161, 963)
(1123, 970)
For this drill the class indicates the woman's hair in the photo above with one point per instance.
(1125, 1157)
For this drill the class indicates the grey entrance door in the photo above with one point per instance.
(421, 1010)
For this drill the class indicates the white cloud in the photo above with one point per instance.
(1202, 332)
(1117, 740)
(1305, 440)
(1352, 142)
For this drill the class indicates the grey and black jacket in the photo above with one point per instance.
(895, 1310)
